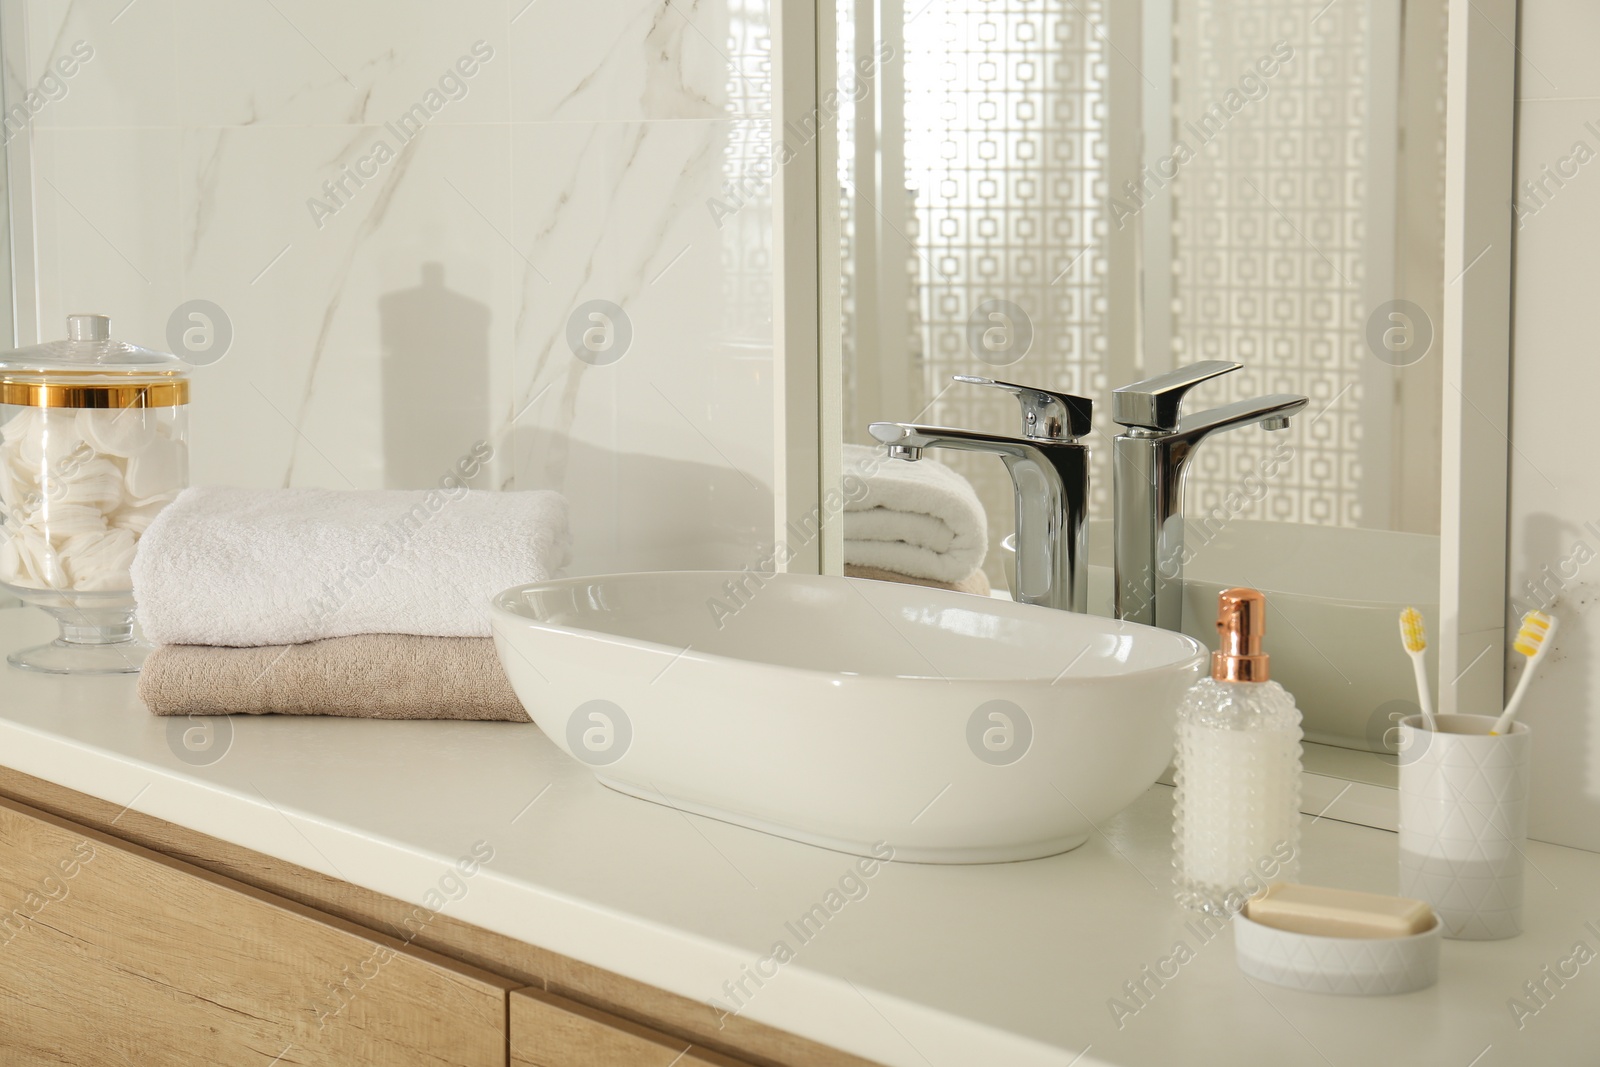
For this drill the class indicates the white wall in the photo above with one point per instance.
(1555, 462)
(577, 166)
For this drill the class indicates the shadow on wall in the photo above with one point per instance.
(435, 380)
(1557, 569)
(636, 512)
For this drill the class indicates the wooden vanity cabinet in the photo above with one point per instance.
(551, 1031)
(126, 940)
(113, 954)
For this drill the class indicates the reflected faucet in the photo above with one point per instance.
(1050, 472)
(1149, 463)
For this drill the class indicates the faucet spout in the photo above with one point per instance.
(1272, 412)
(906, 437)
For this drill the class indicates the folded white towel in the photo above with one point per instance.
(920, 519)
(249, 567)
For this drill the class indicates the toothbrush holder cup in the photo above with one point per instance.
(1464, 822)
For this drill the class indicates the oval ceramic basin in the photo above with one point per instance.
(857, 715)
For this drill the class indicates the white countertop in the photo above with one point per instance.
(934, 966)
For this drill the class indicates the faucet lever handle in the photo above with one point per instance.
(1154, 403)
(1046, 416)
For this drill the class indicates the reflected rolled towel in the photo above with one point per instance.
(373, 676)
(918, 519)
(248, 567)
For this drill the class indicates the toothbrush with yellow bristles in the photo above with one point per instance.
(1533, 641)
(1414, 636)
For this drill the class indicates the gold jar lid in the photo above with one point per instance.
(90, 370)
(60, 391)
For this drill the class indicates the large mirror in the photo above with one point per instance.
(1078, 195)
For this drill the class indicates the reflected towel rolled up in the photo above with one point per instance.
(918, 519)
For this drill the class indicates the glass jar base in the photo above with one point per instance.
(74, 657)
(95, 635)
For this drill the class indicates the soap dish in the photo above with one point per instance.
(1358, 966)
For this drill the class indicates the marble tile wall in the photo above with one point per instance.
(407, 211)
(1555, 483)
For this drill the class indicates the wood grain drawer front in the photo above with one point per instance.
(113, 954)
(551, 1031)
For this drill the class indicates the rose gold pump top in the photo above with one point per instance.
(1241, 622)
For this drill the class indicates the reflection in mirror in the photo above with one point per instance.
(1078, 195)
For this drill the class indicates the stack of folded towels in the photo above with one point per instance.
(912, 522)
(328, 602)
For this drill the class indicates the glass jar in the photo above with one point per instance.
(93, 443)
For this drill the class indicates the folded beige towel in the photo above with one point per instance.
(372, 676)
(976, 582)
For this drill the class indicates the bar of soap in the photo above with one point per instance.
(1324, 912)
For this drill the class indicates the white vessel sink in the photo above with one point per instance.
(856, 715)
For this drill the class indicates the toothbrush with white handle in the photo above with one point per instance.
(1414, 636)
(1533, 641)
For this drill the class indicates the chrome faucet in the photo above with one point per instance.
(1149, 462)
(1050, 473)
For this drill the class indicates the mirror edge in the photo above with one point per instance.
(1480, 116)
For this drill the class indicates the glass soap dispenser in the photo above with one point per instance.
(1237, 805)
(93, 443)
